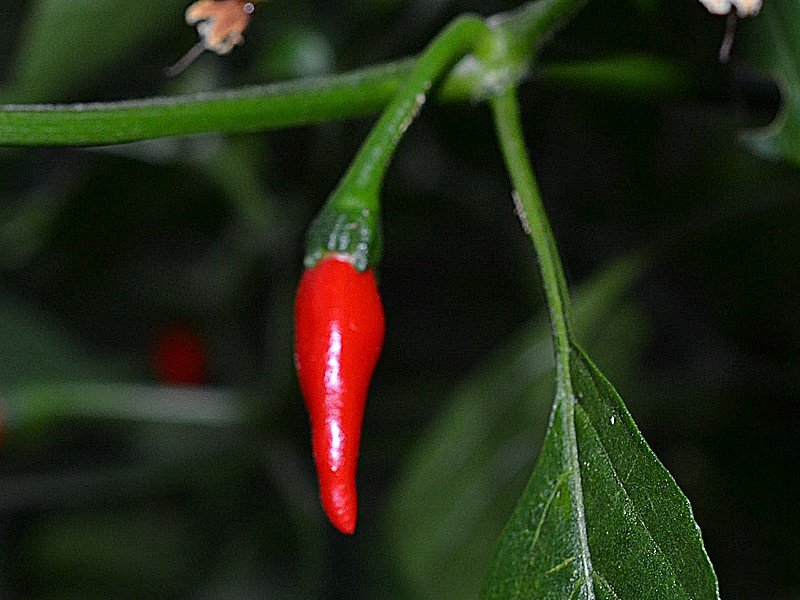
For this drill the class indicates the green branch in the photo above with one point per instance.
(366, 173)
(36, 406)
(305, 102)
(255, 108)
(534, 220)
(349, 223)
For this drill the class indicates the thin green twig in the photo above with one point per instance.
(365, 175)
(35, 406)
(349, 223)
(534, 219)
(254, 108)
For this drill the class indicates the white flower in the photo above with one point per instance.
(744, 8)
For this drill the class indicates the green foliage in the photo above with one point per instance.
(34, 407)
(67, 43)
(35, 347)
(619, 529)
(772, 43)
(84, 553)
(628, 75)
(600, 517)
(483, 440)
(303, 102)
(274, 106)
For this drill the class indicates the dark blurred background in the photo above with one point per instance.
(121, 265)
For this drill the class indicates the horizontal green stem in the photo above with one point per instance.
(255, 108)
(258, 108)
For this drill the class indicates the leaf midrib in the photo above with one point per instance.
(618, 479)
(576, 482)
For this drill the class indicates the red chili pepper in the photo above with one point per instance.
(339, 329)
(179, 357)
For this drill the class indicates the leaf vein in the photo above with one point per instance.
(603, 582)
(560, 566)
(562, 478)
(577, 587)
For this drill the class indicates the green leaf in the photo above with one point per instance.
(619, 528)
(648, 8)
(772, 42)
(26, 223)
(482, 441)
(33, 407)
(66, 44)
(601, 517)
(82, 552)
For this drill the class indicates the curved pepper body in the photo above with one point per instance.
(339, 331)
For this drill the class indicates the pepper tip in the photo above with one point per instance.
(341, 507)
(346, 524)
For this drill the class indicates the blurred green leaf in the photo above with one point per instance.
(647, 7)
(34, 406)
(772, 42)
(26, 225)
(231, 165)
(633, 75)
(67, 44)
(110, 554)
(484, 441)
(35, 347)
(297, 52)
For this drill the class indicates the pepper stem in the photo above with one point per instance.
(349, 223)
(534, 220)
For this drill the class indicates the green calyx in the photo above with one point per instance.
(353, 231)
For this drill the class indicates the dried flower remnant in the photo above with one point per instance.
(734, 9)
(744, 8)
(220, 24)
